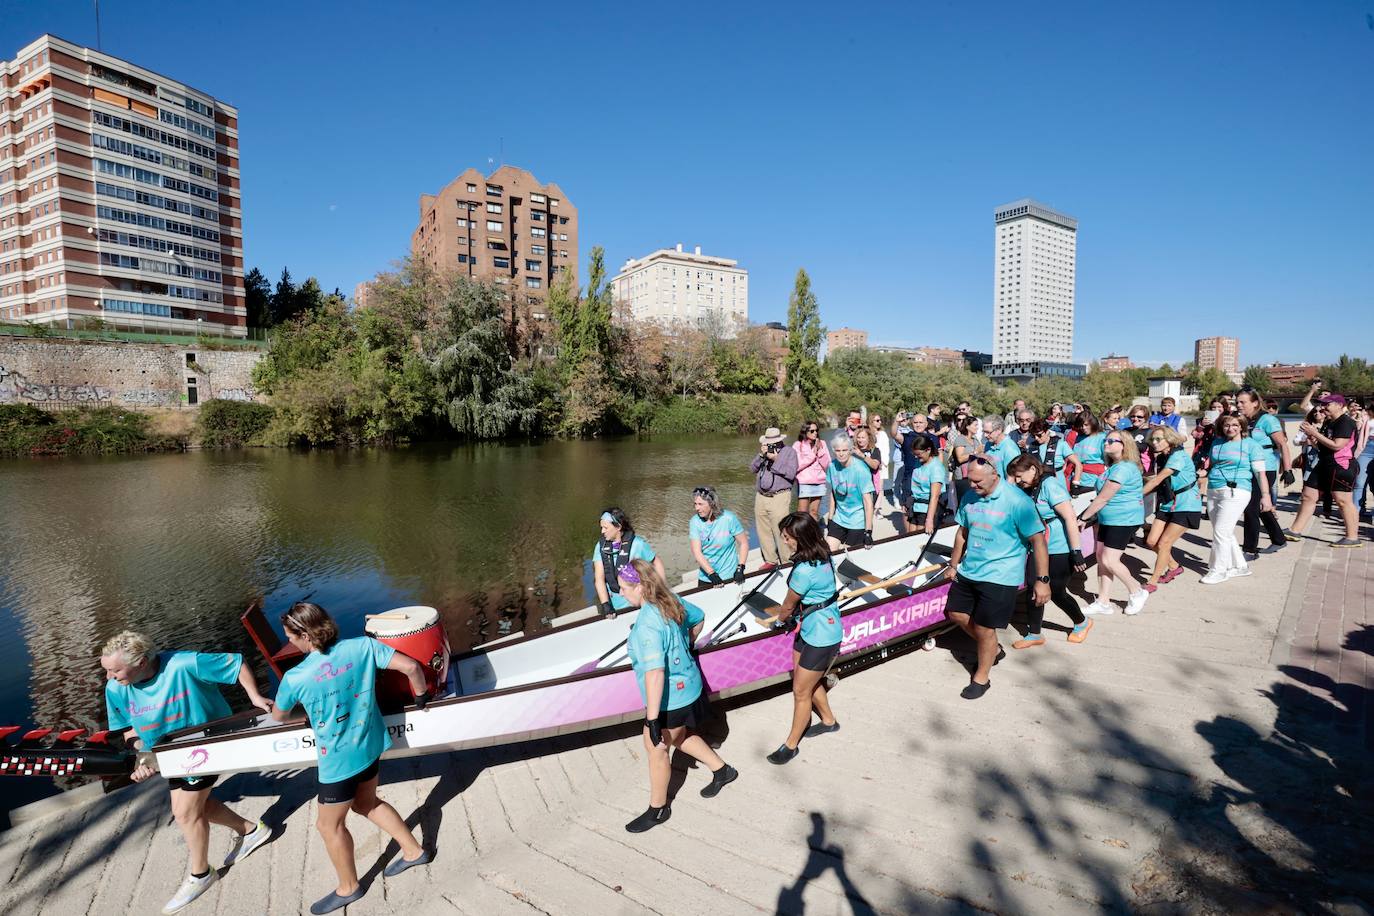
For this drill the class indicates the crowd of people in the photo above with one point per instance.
(1008, 482)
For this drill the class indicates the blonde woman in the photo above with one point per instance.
(660, 649)
(1174, 516)
(1118, 511)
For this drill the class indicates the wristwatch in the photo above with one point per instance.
(1044, 579)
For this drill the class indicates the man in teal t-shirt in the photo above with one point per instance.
(997, 525)
(1001, 450)
(851, 491)
(149, 694)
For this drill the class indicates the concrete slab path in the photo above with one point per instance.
(1208, 755)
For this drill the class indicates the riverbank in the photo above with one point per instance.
(29, 432)
(1207, 756)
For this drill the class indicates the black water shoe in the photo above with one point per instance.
(650, 819)
(820, 728)
(975, 690)
(719, 780)
(783, 754)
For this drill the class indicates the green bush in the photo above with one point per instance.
(728, 413)
(27, 431)
(232, 424)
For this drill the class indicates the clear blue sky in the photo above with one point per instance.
(1218, 155)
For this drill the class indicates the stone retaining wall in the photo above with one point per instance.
(56, 374)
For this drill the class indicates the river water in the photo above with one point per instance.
(497, 537)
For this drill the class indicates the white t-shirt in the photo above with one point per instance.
(884, 445)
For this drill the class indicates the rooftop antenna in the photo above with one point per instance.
(97, 25)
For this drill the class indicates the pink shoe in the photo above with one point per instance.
(1171, 575)
(1151, 588)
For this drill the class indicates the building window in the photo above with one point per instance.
(493, 191)
(462, 259)
(536, 249)
(493, 208)
(534, 266)
(501, 262)
(537, 198)
(537, 233)
(495, 225)
(537, 215)
(533, 282)
(462, 223)
(472, 189)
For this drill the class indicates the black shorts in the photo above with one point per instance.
(988, 604)
(1190, 520)
(1329, 477)
(814, 658)
(917, 514)
(343, 791)
(191, 783)
(849, 537)
(1117, 537)
(689, 716)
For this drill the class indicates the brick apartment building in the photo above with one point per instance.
(1114, 363)
(505, 227)
(845, 339)
(1217, 353)
(119, 196)
(1291, 376)
(926, 356)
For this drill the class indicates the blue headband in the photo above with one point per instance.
(608, 517)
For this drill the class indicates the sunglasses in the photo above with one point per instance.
(811, 429)
(1111, 441)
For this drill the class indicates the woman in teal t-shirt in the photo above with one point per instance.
(1173, 517)
(811, 593)
(1039, 481)
(928, 481)
(1118, 511)
(618, 546)
(719, 543)
(334, 682)
(1090, 447)
(660, 649)
(1235, 466)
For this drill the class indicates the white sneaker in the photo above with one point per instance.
(244, 846)
(1136, 604)
(190, 889)
(1099, 607)
(1213, 577)
(1238, 572)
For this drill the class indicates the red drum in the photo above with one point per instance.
(416, 632)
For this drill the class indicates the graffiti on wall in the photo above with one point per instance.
(15, 388)
(236, 394)
(149, 397)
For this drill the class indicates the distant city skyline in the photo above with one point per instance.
(875, 172)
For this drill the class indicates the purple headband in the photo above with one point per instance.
(628, 573)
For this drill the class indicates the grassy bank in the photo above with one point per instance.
(28, 432)
(727, 413)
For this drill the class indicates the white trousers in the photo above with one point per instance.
(1225, 506)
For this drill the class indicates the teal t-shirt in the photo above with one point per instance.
(1089, 451)
(815, 582)
(998, 527)
(1184, 474)
(656, 642)
(717, 539)
(1127, 507)
(1052, 493)
(933, 471)
(337, 689)
(639, 550)
(184, 693)
(1264, 427)
(1003, 454)
(1231, 463)
(1062, 451)
(849, 484)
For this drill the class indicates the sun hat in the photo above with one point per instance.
(1332, 399)
(772, 436)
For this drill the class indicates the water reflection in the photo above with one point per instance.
(497, 537)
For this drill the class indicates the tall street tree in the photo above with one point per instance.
(804, 341)
(257, 299)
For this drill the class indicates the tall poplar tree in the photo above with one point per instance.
(804, 341)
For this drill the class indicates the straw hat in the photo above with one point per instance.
(771, 436)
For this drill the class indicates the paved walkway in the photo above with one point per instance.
(1209, 755)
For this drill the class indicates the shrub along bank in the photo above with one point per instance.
(28, 432)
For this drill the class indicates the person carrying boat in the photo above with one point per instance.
(927, 482)
(150, 693)
(1090, 448)
(850, 522)
(1175, 484)
(1050, 449)
(1118, 511)
(811, 595)
(1042, 484)
(719, 543)
(998, 527)
(618, 546)
(335, 683)
(675, 703)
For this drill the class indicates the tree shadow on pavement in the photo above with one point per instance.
(822, 857)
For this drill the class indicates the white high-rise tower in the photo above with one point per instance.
(1033, 276)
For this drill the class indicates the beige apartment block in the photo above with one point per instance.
(1115, 363)
(675, 287)
(845, 339)
(1217, 353)
(926, 356)
(505, 227)
(119, 196)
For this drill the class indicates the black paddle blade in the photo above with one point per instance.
(852, 572)
(760, 605)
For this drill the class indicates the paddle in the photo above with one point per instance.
(738, 610)
(893, 581)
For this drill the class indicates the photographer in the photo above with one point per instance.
(775, 471)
